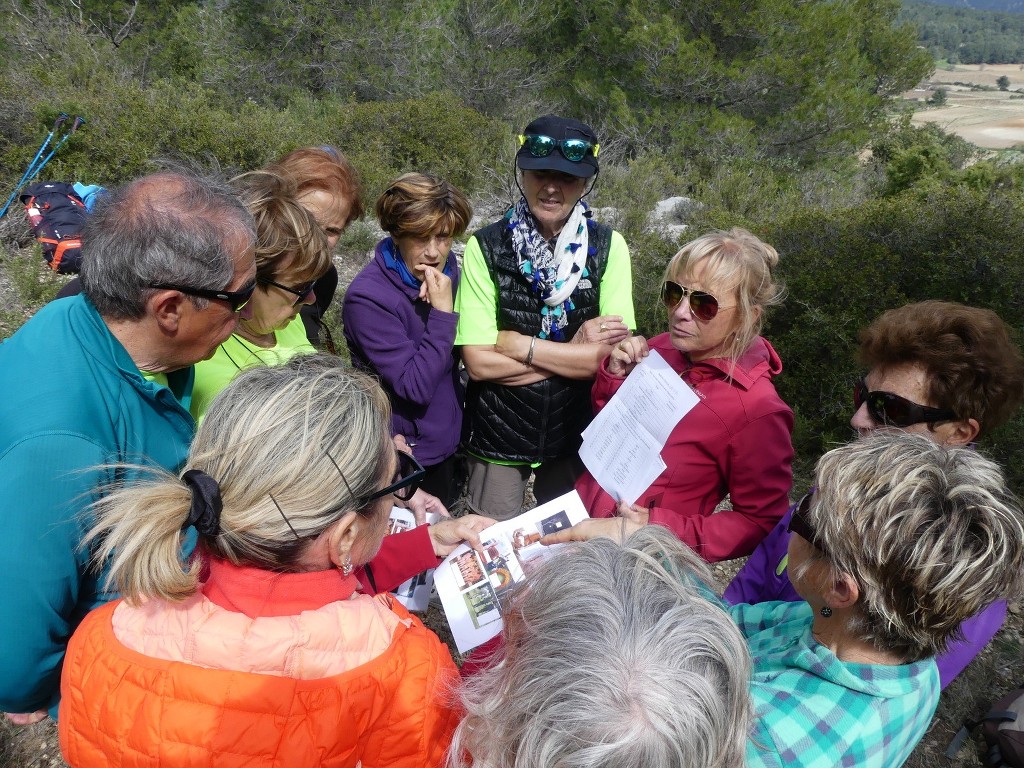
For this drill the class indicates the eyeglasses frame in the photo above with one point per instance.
(301, 297)
(237, 299)
(691, 295)
(924, 414)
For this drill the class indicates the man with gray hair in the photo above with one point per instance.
(105, 377)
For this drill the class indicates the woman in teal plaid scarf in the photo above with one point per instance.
(901, 541)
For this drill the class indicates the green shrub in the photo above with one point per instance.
(843, 268)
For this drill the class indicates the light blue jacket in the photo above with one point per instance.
(73, 401)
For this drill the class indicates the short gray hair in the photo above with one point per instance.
(613, 657)
(931, 534)
(170, 227)
(312, 433)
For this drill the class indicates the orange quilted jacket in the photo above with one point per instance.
(121, 708)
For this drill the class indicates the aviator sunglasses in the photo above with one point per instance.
(703, 305)
(237, 299)
(895, 411)
(301, 291)
(572, 150)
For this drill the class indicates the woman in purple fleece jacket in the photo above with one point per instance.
(400, 321)
(942, 369)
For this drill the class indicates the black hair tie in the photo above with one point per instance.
(204, 512)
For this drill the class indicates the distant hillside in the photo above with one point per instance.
(950, 30)
(1005, 6)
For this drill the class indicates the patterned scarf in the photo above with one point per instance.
(553, 272)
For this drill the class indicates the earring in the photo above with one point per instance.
(346, 568)
(826, 611)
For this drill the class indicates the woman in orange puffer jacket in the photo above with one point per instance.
(276, 659)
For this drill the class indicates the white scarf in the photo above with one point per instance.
(554, 273)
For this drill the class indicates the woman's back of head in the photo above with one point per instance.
(931, 534)
(613, 657)
(292, 449)
(287, 235)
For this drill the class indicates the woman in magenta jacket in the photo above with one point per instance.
(737, 440)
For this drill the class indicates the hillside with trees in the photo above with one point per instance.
(965, 35)
(753, 109)
(777, 115)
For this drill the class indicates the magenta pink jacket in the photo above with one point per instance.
(736, 441)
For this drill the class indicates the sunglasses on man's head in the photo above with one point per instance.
(800, 522)
(237, 299)
(573, 150)
(895, 411)
(301, 291)
(703, 305)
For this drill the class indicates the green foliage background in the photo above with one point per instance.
(761, 110)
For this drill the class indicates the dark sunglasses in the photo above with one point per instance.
(800, 523)
(301, 291)
(895, 411)
(408, 476)
(703, 305)
(237, 299)
(572, 150)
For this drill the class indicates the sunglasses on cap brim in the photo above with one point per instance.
(703, 305)
(573, 150)
(894, 411)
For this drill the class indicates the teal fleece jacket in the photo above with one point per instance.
(73, 401)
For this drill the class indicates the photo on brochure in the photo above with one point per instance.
(414, 593)
(474, 587)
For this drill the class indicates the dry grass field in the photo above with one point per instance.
(991, 119)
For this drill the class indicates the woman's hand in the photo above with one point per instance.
(436, 288)
(422, 504)
(626, 354)
(513, 344)
(615, 528)
(448, 534)
(607, 329)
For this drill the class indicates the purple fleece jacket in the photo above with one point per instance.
(764, 578)
(409, 345)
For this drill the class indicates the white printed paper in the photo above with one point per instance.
(414, 594)
(622, 446)
(473, 586)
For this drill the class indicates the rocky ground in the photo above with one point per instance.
(998, 669)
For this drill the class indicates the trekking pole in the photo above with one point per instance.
(61, 119)
(78, 123)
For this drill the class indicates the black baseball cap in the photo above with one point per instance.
(560, 129)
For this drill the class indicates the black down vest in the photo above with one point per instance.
(540, 421)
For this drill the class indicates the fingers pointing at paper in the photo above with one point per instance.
(626, 354)
(446, 535)
(615, 528)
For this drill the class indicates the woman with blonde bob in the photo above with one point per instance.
(400, 321)
(901, 541)
(736, 440)
(275, 657)
(613, 657)
(291, 255)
